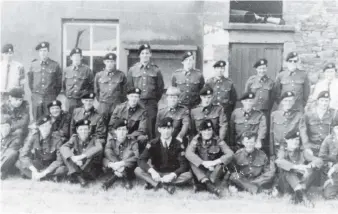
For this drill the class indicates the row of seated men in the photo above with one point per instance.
(48, 151)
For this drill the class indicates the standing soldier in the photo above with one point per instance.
(13, 73)
(60, 120)
(110, 86)
(207, 110)
(88, 112)
(253, 172)
(82, 154)
(317, 123)
(294, 80)
(168, 165)
(17, 111)
(189, 80)
(224, 90)
(179, 113)
(44, 80)
(299, 168)
(247, 119)
(282, 121)
(120, 156)
(78, 80)
(40, 156)
(135, 114)
(146, 76)
(208, 155)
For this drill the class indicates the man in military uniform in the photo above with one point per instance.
(179, 114)
(10, 145)
(13, 73)
(78, 80)
(298, 168)
(208, 156)
(224, 91)
(294, 80)
(17, 110)
(88, 112)
(82, 154)
(60, 120)
(207, 110)
(110, 86)
(189, 80)
(135, 114)
(44, 80)
(247, 119)
(146, 76)
(317, 123)
(329, 154)
(120, 156)
(253, 172)
(282, 121)
(169, 166)
(40, 156)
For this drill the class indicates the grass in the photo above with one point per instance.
(25, 196)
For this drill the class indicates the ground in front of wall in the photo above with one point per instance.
(25, 196)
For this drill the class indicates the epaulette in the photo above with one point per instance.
(34, 60)
(239, 151)
(152, 64)
(251, 78)
(179, 70)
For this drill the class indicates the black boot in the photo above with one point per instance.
(81, 180)
(148, 186)
(127, 183)
(297, 197)
(212, 188)
(169, 188)
(109, 182)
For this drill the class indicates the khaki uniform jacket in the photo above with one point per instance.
(19, 116)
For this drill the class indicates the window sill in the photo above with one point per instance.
(165, 47)
(259, 27)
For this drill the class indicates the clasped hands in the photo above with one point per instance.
(165, 179)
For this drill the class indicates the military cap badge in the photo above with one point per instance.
(330, 66)
(137, 90)
(189, 53)
(262, 62)
(326, 94)
(209, 124)
(43, 44)
(54, 102)
(91, 95)
(9, 49)
(145, 45)
(110, 56)
(221, 64)
(85, 122)
(250, 95)
(45, 119)
(169, 124)
(208, 92)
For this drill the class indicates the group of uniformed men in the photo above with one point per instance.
(198, 136)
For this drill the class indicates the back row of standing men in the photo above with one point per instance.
(190, 101)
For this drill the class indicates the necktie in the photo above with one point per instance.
(7, 76)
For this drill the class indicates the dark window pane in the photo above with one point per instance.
(104, 38)
(73, 36)
(97, 64)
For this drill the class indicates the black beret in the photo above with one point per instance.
(133, 90)
(205, 124)
(291, 55)
(186, 55)
(248, 95)
(110, 56)
(287, 94)
(54, 103)
(7, 48)
(16, 92)
(76, 51)
(323, 94)
(166, 122)
(42, 45)
(82, 123)
(43, 120)
(120, 123)
(249, 134)
(142, 47)
(330, 66)
(219, 63)
(206, 90)
(260, 62)
(294, 133)
(88, 96)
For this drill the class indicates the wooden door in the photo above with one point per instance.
(243, 56)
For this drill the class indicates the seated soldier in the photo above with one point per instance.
(135, 114)
(179, 113)
(298, 168)
(88, 112)
(329, 154)
(208, 155)
(120, 156)
(60, 120)
(17, 110)
(40, 156)
(169, 166)
(253, 172)
(82, 154)
(10, 145)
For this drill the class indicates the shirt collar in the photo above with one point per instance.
(144, 65)
(167, 142)
(44, 62)
(263, 78)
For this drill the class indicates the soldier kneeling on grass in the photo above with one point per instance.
(120, 156)
(40, 156)
(253, 172)
(299, 168)
(82, 154)
(208, 155)
(169, 166)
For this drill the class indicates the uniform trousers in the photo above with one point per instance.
(151, 107)
(39, 104)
